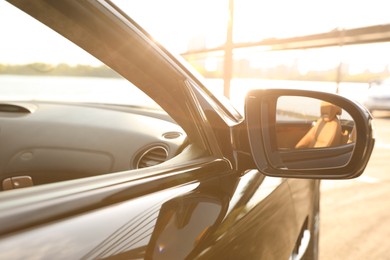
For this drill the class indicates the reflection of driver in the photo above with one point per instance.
(326, 131)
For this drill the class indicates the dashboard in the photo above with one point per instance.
(50, 142)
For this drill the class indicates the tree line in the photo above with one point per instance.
(44, 69)
(242, 69)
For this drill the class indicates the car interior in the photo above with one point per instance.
(326, 131)
(65, 115)
(49, 142)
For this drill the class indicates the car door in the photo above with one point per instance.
(196, 219)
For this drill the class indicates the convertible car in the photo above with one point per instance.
(130, 156)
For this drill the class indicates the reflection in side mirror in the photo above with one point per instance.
(316, 124)
(307, 134)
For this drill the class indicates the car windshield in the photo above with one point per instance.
(37, 64)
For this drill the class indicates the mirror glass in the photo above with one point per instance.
(303, 124)
(313, 123)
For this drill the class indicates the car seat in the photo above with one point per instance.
(326, 131)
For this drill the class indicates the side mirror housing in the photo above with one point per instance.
(307, 134)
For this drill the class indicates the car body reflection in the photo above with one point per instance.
(204, 218)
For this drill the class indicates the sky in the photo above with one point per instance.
(255, 20)
(175, 23)
(28, 41)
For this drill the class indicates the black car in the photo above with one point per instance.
(135, 159)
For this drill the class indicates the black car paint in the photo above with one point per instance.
(251, 222)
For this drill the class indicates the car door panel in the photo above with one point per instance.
(99, 233)
(302, 192)
(81, 220)
(260, 223)
(244, 211)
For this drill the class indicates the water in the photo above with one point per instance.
(72, 89)
(120, 91)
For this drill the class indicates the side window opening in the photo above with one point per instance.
(65, 115)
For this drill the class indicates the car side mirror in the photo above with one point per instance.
(307, 134)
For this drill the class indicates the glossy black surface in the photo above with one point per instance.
(250, 216)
